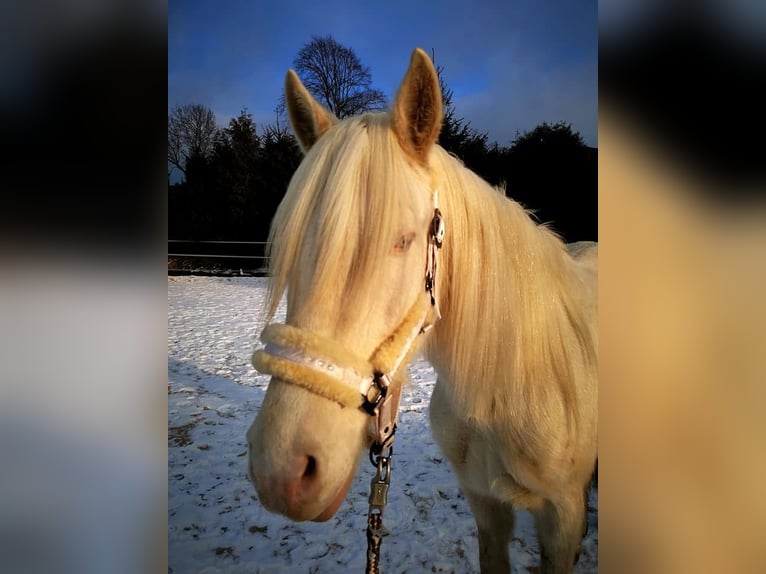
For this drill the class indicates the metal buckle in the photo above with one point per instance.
(378, 382)
(376, 450)
(380, 483)
(438, 229)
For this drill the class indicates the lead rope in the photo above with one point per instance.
(378, 499)
(384, 444)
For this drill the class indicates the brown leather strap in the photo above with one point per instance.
(388, 415)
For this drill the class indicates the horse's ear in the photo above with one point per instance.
(308, 118)
(417, 111)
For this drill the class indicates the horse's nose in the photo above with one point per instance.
(289, 486)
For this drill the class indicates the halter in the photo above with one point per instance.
(325, 368)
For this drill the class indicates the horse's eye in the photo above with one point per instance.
(403, 243)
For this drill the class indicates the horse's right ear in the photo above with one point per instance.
(308, 118)
(417, 113)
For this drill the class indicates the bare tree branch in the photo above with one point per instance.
(336, 77)
(191, 131)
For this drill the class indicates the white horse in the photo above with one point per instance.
(514, 338)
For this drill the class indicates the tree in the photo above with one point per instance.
(237, 170)
(191, 132)
(558, 136)
(553, 171)
(336, 78)
(457, 136)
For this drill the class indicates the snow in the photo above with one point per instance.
(215, 523)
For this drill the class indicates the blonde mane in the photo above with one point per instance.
(514, 325)
(514, 334)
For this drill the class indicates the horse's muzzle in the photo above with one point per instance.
(291, 488)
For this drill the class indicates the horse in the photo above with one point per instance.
(507, 318)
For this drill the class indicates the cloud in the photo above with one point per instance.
(522, 95)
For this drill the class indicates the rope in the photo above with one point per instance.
(374, 538)
(378, 499)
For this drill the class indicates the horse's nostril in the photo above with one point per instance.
(311, 467)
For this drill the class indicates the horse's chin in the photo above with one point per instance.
(332, 508)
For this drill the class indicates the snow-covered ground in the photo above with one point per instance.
(215, 523)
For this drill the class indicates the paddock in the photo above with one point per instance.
(214, 523)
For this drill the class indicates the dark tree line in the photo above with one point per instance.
(235, 177)
(232, 191)
(549, 169)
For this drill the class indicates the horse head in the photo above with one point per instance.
(353, 248)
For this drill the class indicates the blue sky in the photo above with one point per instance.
(511, 64)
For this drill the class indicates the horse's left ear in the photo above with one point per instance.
(417, 112)
(308, 118)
